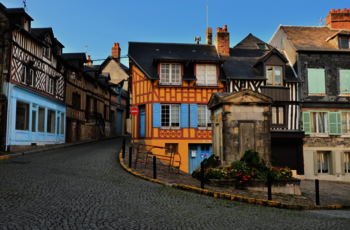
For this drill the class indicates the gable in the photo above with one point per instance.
(247, 97)
(274, 60)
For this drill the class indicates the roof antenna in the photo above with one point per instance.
(320, 22)
(25, 5)
(207, 16)
(86, 47)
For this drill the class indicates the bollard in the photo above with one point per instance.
(317, 187)
(269, 186)
(202, 175)
(154, 167)
(124, 148)
(130, 156)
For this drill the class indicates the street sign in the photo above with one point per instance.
(134, 111)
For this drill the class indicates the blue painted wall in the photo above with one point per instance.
(35, 100)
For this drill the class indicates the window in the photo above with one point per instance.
(344, 43)
(277, 115)
(30, 80)
(274, 75)
(46, 52)
(204, 117)
(22, 116)
(262, 46)
(170, 74)
(170, 116)
(33, 121)
(51, 85)
(322, 162)
(76, 101)
(23, 74)
(172, 146)
(41, 120)
(62, 123)
(51, 121)
(206, 75)
(347, 162)
(319, 122)
(344, 81)
(316, 81)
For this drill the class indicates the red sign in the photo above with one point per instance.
(134, 111)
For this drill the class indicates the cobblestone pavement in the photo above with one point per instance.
(84, 187)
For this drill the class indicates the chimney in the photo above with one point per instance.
(338, 19)
(89, 61)
(209, 33)
(222, 41)
(116, 52)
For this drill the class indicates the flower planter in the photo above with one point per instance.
(286, 186)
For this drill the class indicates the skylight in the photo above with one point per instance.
(262, 46)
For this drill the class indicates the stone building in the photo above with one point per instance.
(240, 122)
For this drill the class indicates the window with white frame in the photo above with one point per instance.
(170, 74)
(323, 162)
(170, 116)
(203, 117)
(319, 122)
(206, 74)
(23, 74)
(274, 75)
(51, 85)
(345, 122)
(347, 162)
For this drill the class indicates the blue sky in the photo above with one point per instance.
(100, 23)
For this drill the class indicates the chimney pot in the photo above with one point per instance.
(89, 61)
(338, 10)
(344, 10)
(225, 28)
(333, 11)
(116, 51)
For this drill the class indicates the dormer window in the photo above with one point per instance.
(262, 46)
(170, 74)
(206, 75)
(274, 75)
(344, 43)
(46, 52)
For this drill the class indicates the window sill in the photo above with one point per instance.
(170, 84)
(319, 135)
(170, 128)
(345, 135)
(317, 94)
(344, 95)
(204, 128)
(209, 85)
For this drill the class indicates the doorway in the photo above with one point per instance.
(142, 121)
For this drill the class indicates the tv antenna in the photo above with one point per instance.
(86, 47)
(25, 5)
(320, 22)
(207, 16)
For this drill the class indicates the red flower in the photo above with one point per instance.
(240, 181)
(248, 176)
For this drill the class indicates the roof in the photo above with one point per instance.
(74, 56)
(41, 32)
(92, 68)
(312, 38)
(109, 58)
(18, 11)
(124, 93)
(144, 54)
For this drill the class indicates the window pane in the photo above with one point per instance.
(278, 74)
(324, 162)
(41, 120)
(274, 117)
(344, 123)
(201, 110)
(175, 73)
(22, 116)
(280, 115)
(321, 125)
(269, 76)
(165, 119)
(30, 77)
(208, 117)
(201, 74)
(51, 121)
(211, 74)
(344, 43)
(165, 73)
(262, 46)
(62, 123)
(23, 73)
(33, 121)
(175, 115)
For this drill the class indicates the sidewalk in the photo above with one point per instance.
(5, 155)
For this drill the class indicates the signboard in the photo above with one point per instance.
(134, 111)
(193, 153)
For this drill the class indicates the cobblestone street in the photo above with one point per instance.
(84, 187)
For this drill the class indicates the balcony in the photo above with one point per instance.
(276, 92)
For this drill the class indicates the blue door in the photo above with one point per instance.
(142, 121)
(119, 121)
(197, 153)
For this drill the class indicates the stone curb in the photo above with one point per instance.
(226, 196)
(15, 155)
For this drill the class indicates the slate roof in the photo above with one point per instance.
(312, 38)
(124, 93)
(74, 56)
(144, 54)
(18, 11)
(92, 68)
(41, 32)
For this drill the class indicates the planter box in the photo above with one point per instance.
(286, 186)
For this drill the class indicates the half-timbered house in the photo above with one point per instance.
(34, 84)
(256, 65)
(87, 98)
(321, 58)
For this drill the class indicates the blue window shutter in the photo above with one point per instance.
(334, 123)
(306, 123)
(184, 115)
(193, 116)
(156, 115)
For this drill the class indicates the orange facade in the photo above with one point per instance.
(146, 92)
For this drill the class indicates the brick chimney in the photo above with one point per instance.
(222, 41)
(89, 61)
(338, 19)
(209, 35)
(116, 52)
